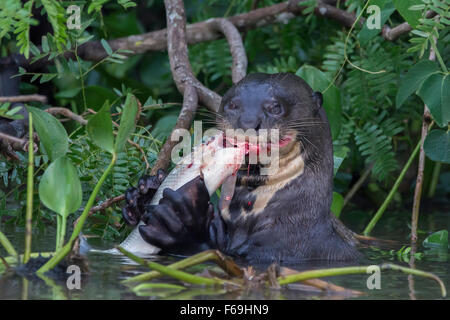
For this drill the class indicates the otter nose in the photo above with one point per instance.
(249, 122)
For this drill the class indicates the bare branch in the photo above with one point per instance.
(25, 98)
(392, 34)
(68, 114)
(239, 66)
(16, 143)
(178, 56)
(203, 31)
(427, 119)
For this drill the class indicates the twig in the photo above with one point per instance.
(357, 185)
(392, 34)
(24, 98)
(16, 143)
(68, 114)
(390, 196)
(105, 204)
(419, 181)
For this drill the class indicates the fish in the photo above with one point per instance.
(214, 160)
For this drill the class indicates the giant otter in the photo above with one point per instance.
(284, 217)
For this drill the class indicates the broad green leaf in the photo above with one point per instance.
(445, 99)
(127, 122)
(337, 204)
(69, 93)
(414, 79)
(331, 98)
(99, 128)
(95, 97)
(339, 154)
(51, 132)
(60, 187)
(437, 145)
(410, 16)
(386, 9)
(437, 239)
(435, 98)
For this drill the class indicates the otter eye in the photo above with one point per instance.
(275, 109)
(231, 106)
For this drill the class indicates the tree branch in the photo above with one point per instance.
(68, 114)
(24, 98)
(427, 119)
(205, 31)
(239, 66)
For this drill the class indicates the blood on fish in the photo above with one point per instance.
(228, 198)
(189, 165)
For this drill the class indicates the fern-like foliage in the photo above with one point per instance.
(212, 60)
(429, 28)
(374, 141)
(56, 16)
(17, 19)
(334, 55)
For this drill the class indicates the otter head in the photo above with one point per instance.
(280, 101)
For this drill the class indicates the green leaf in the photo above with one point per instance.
(318, 81)
(127, 122)
(106, 46)
(51, 133)
(339, 154)
(438, 239)
(437, 145)
(414, 79)
(435, 94)
(386, 9)
(99, 128)
(69, 93)
(46, 77)
(337, 204)
(404, 8)
(95, 97)
(60, 187)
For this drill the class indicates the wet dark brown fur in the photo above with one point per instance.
(284, 217)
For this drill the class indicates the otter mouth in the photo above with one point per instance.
(253, 144)
(256, 147)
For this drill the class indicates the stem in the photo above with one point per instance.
(29, 209)
(8, 246)
(58, 232)
(60, 254)
(180, 275)
(63, 229)
(306, 275)
(434, 179)
(389, 197)
(209, 255)
(438, 55)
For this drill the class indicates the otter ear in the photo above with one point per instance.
(318, 99)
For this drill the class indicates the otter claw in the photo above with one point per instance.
(137, 198)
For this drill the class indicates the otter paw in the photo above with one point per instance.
(179, 223)
(137, 198)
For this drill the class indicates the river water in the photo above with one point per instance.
(106, 271)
